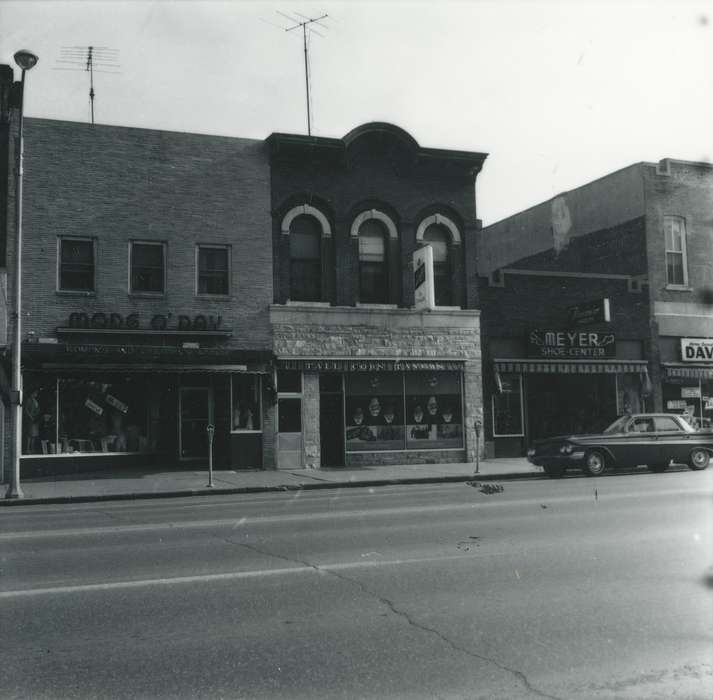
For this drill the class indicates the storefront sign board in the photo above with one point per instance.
(676, 405)
(690, 392)
(351, 365)
(571, 345)
(589, 312)
(697, 349)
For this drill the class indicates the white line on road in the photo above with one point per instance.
(229, 576)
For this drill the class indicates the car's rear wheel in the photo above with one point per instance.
(554, 472)
(699, 459)
(595, 463)
(658, 468)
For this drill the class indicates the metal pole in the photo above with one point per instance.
(304, 38)
(15, 489)
(211, 429)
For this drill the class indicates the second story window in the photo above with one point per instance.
(76, 264)
(147, 264)
(676, 264)
(373, 263)
(305, 259)
(438, 238)
(213, 270)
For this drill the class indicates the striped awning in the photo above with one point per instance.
(251, 368)
(571, 366)
(688, 371)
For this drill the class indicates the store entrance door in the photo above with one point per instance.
(331, 430)
(194, 411)
(561, 404)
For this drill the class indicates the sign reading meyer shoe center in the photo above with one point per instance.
(697, 349)
(570, 345)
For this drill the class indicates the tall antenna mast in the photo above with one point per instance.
(306, 21)
(90, 59)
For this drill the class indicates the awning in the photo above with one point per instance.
(688, 371)
(153, 369)
(523, 366)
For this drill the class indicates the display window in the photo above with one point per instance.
(397, 411)
(630, 396)
(246, 407)
(691, 397)
(507, 407)
(111, 414)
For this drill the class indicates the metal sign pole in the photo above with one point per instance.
(211, 430)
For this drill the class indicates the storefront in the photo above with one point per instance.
(370, 411)
(571, 382)
(94, 406)
(687, 383)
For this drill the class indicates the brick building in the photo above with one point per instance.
(640, 243)
(364, 377)
(142, 323)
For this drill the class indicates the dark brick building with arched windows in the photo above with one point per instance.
(363, 376)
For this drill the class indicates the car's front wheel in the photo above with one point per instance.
(595, 464)
(699, 459)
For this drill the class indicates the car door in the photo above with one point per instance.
(639, 444)
(674, 443)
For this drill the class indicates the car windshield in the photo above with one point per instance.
(618, 425)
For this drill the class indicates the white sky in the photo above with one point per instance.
(558, 93)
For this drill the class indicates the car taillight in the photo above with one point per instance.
(566, 449)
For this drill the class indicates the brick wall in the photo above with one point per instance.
(343, 178)
(117, 184)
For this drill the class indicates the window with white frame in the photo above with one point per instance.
(438, 237)
(213, 270)
(76, 265)
(305, 259)
(147, 262)
(373, 263)
(676, 264)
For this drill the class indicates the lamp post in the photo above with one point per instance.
(26, 60)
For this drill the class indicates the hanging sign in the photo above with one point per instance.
(589, 312)
(423, 278)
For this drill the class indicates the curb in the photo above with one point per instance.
(311, 486)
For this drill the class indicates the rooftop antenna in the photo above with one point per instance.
(91, 59)
(304, 23)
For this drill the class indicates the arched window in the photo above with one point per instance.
(305, 259)
(373, 263)
(438, 237)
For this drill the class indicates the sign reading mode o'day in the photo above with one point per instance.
(697, 349)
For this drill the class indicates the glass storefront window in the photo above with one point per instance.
(507, 407)
(114, 413)
(374, 411)
(691, 397)
(246, 402)
(397, 411)
(629, 395)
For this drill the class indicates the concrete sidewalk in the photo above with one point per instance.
(162, 483)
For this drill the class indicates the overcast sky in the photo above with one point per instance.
(558, 93)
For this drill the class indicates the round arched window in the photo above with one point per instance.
(438, 237)
(305, 259)
(373, 263)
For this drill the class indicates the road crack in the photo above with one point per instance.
(519, 675)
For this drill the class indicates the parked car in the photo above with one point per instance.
(653, 439)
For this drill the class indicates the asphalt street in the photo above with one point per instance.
(574, 589)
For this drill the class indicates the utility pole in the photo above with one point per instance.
(306, 21)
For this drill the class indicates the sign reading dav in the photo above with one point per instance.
(697, 349)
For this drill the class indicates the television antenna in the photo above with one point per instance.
(90, 59)
(301, 21)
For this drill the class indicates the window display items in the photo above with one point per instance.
(358, 430)
(390, 429)
(420, 429)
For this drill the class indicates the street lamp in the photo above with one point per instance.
(26, 60)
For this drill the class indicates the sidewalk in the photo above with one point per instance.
(152, 483)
